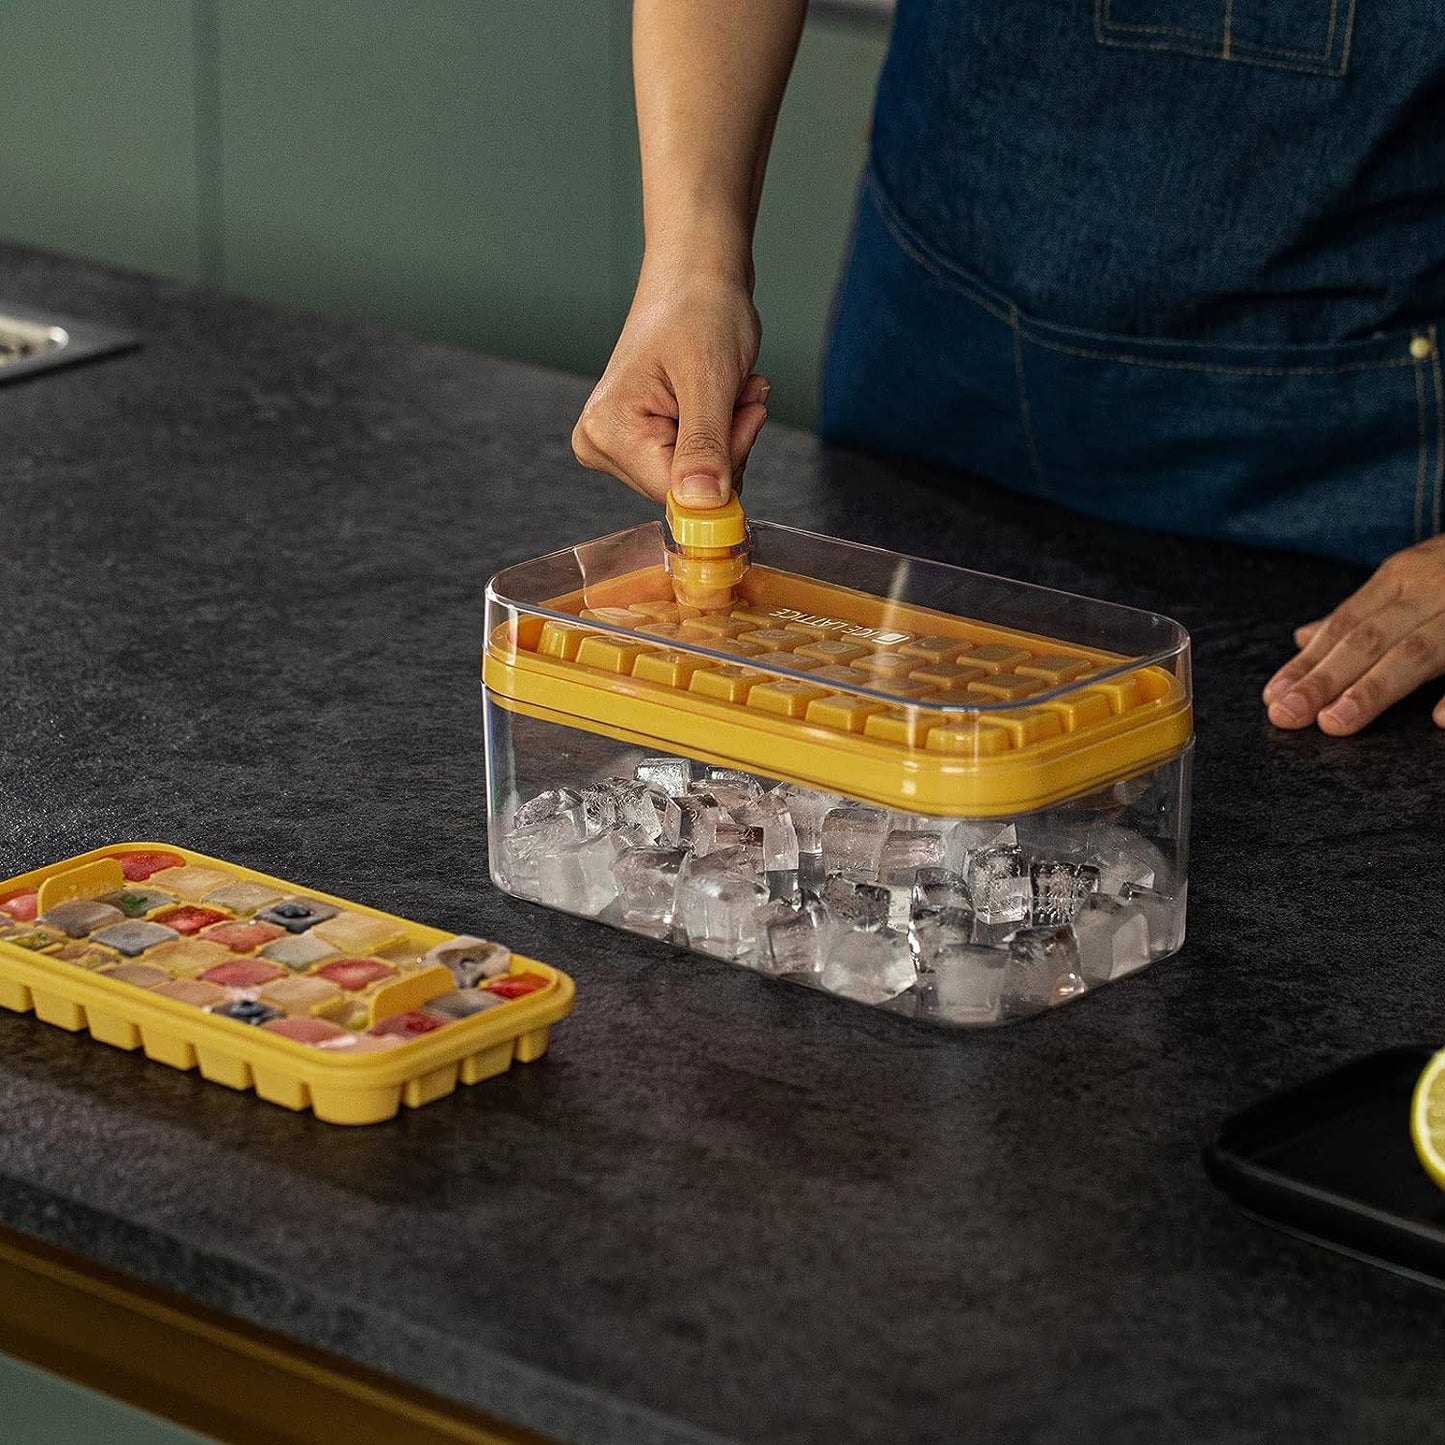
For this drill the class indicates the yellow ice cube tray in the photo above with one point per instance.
(312, 1001)
(807, 679)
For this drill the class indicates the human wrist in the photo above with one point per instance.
(699, 249)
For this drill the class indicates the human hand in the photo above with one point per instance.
(1373, 649)
(679, 406)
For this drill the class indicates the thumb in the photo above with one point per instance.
(702, 471)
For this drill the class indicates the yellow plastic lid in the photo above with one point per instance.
(907, 683)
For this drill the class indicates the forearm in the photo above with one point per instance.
(709, 77)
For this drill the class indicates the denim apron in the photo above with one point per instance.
(1174, 263)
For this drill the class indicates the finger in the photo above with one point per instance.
(701, 461)
(756, 388)
(1398, 625)
(747, 423)
(1439, 714)
(1304, 632)
(1416, 658)
(1375, 594)
(637, 450)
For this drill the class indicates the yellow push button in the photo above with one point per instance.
(707, 529)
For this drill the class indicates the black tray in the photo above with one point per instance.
(1331, 1161)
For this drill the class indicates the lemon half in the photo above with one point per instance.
(1427, 1118)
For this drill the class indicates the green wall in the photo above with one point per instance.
(461, 169)
(40, 1409)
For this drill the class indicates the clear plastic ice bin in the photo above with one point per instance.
(951, 795)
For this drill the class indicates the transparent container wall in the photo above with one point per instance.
(954, 920)
(881, 577)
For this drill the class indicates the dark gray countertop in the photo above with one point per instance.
(242, 575)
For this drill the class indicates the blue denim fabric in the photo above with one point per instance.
(1181, 277)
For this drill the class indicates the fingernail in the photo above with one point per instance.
(1293, 706)
(699, 491)
(1345, 713)
(766, 392)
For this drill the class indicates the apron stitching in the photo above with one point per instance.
(1439, 427)
(1349, 38)
(1024, 404)
(1420, 469)
(1012, 316)
(907, 245)
(1227, 370)
(1104, 17)
(1321, 68)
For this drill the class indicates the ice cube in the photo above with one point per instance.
(1124, 857)
(856, 905)
(554, 803)
(965, 984)
(717, 898)
(671, 775)
(999, 884)
(599, 809)
(647, 887)
(904, 853)
(1164, 914)
(779, 841)
(1043, 968)
(1113, 938)
(470, 959)
(853, 841)
(680, 818)
(966, 836)
(715, 831)
(807, 809)
(940, 888)
(639, 808)
(1059, 889)
(792, 939)
(735, 797)
(521, 849)
(79, 916)
(869, 967)
(931, 931)
(578, 878)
